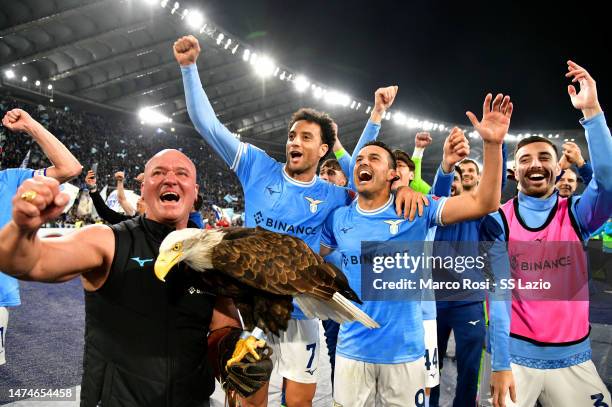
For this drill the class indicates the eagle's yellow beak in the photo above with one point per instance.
(165, 261)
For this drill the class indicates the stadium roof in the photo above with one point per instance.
(116, 55)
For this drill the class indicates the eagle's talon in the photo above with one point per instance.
(244, 346)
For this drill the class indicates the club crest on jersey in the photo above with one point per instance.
(394, 225)
(314, 204)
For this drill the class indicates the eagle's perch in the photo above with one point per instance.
(262, 271)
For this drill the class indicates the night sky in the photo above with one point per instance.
(443, 55)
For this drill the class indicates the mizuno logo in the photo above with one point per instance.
(314, 203)
(344, 230)
(140, 262)
(473, 322)
(394, 225)
(311, 371)
(271, 191)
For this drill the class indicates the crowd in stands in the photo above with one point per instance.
(117, 144)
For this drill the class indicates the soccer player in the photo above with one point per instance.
(387, 365)
(567, 184)
(330, 171)
(549, 346)
(456, 186)
(470, 175)
(285, 198)
(573, 156)
(65, 167)
(466, 318)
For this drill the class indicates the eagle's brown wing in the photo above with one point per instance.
(279, 264)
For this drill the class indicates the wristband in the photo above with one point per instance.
(340, 153)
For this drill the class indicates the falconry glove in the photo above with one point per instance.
(244, 377)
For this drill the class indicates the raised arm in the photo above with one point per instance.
(102, 209)
(456, 148)
(383, 99)
(492, 129)
(595, 205)
(201, 113)
(125, 204)
(88, 251)
(421, 140)
(343, 157)
(65, 165)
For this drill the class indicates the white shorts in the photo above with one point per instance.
(3, 326)
(370, 384)
(578, 385)
(296, 352)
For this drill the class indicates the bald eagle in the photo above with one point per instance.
(263, 272)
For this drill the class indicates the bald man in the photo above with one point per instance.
(145, 340)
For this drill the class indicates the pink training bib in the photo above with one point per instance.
(535, 255)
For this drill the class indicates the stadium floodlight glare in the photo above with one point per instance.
(194, 19)
(150, 116)
(175, 7)
(318, 92)
(301, 83)
(556, 136)
(246, 55)
(235, 49)
(228, 43)
(150, 2)
(220, 38)
(358, 105)
(37, 83)
(9, 73)
(337, 98)
(51, 100)
(49, 86)
(368, 109)
(164, 3)
(412, 123)
(283, 76)
(400, 118)
(24, 78)
(264, 66)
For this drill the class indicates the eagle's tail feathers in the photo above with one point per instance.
(338, 308)
(356, 313)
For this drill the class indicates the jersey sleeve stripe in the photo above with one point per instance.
(239, 153)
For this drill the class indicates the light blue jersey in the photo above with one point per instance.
(277, 202)
(273, 200)
(10, 180)
(400, 338)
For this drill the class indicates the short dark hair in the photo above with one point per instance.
(459, 171)
(325, 122)
(535, 139)
(332, 163)
(470, 161)
(401, 155)
(392, 161)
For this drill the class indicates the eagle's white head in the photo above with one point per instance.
(193, 246)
